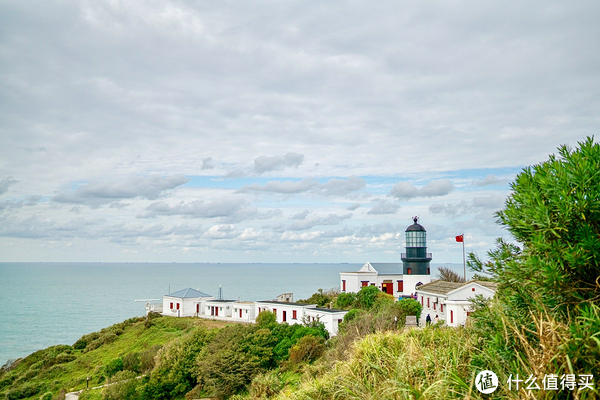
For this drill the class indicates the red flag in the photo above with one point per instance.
(460, 238)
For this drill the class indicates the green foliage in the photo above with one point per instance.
(409, 307)
(173, 374)
(366, 297)
(352, 314)
(132, 362)
(554, 212)
(126, 387)
(308, 349)
(265, 319)
(446, 274)
(46, 396)
(113, 366)
(345, 300)
(266, 385)
(321, 298)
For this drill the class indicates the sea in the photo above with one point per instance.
(45, 304)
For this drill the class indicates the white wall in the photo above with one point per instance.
(354, 280)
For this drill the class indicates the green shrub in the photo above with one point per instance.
(352, 314)
(114, 366)
(131, 362)
(266, 319)
(125, 387)
(46, 396)
(366, 297)
(345, 300)
(308, 349)
(266, 385)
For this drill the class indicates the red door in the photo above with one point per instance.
(284, 316)
(217, 311)
(240, 313)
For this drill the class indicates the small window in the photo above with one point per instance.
(401, 286)
(275, 312)
(409, 271)
(171, 306)
(178, 306)
(364, 283)
(428, 302)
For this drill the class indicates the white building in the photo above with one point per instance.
(221, 309)
(397, 279)
(330, 317)
(184, 302)
(243, 311)
(292, 313)
(451, 301)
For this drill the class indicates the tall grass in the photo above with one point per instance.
(429, 363)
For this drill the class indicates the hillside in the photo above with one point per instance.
(63, 368)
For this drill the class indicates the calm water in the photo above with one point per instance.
(44, 304)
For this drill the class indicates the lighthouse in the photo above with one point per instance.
(416, 259)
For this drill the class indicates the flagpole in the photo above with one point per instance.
(464, 262)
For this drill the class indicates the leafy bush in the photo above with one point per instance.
(266, 385)
(345, 300)
(131, 362)
(321, 298)
(308, 349)
(265, 319)
(125, 387)
(174, 373)
(113, 366)
(366, 296)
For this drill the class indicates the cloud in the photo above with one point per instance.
(221, 207)
(284, 187)
(300, 215)
(353, 207)
(342, 187)
(490, 180)
(406, 190)
(311, 222)
(5, 183)
(97, 193)
(207, 163)
(384, 207)
(264, 164)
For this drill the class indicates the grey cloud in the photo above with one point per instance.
(300, 215)
(488, 204)
(490, 180)
(207, 163)
(342, 187)
(311, 222)
(222, 207)
(353, 207)
(406, 190)
(384, 207)
(97, 193)
(5, 183)
(264, 164)
(285, 187)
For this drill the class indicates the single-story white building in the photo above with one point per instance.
(330, 317)
(285, 311)
(218, 308)
(451, 301)
(184, 302)
(243, 311)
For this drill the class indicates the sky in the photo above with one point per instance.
(279, 131)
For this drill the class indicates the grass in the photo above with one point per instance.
(65, 368)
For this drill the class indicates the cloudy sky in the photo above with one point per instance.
(279, 131)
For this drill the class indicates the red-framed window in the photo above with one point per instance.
(401, 286)
(409, 271)
(451, 316)
(284, 316)
(178, 306)
(441, 307)
(240, 313)
(295, 314)
(275, 312)
(421, 301)
(171, 306)
(364, 283)
(428, 302)
(344, 285)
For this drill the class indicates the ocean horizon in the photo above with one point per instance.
(54, 303)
